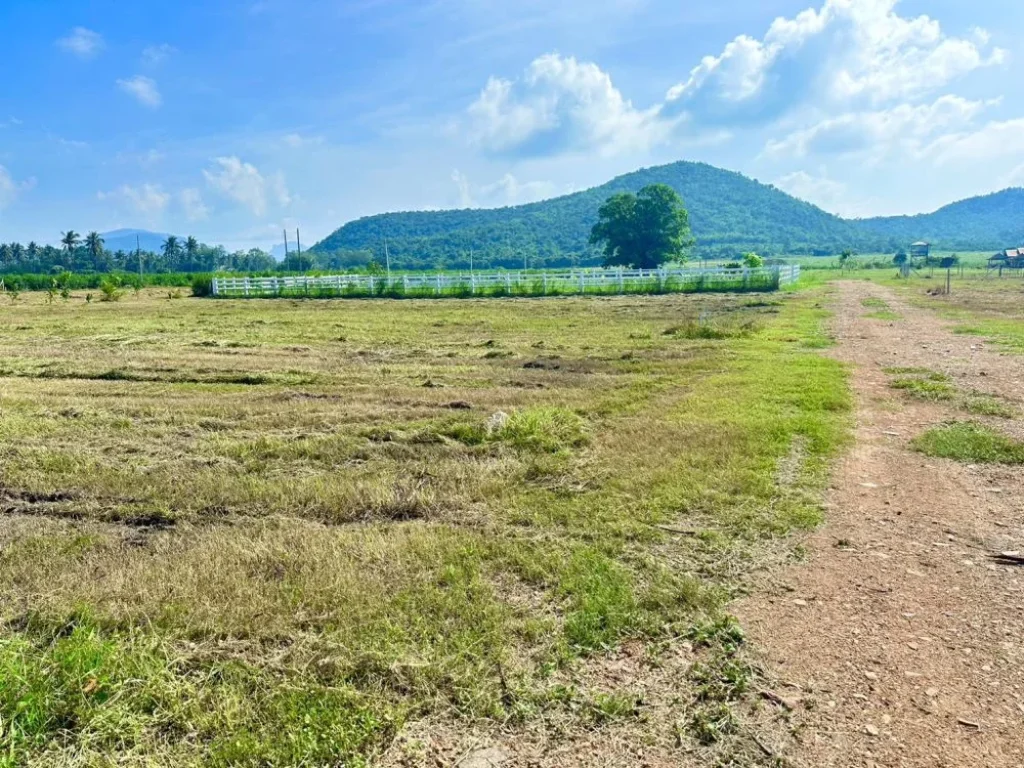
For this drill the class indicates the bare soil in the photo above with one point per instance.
(900, 639)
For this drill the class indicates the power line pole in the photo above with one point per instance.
(387, 258)
(138, 255)
(298, 246)
(286, 245)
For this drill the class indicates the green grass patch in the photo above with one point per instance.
(922, 383)
(969, 442)
(873, 302)
(983, 405)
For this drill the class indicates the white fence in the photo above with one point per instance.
(574, 281)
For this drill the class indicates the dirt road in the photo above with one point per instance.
(900, 640)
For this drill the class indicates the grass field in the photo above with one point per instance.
(273, 533)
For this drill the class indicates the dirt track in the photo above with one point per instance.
(900, 638)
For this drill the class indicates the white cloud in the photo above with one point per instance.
(144, 89)
(150, 200)
(833, 196)
(465, 197)
(846, 52)
(192, 204)
(297, 141)
(82, 42)
(510, 191)
(10, 190)
(908, 128)
(155, 54)
(559, 104)
(243, 183)
(998, 140)
(507, 190)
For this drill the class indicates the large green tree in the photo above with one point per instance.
(644, 230)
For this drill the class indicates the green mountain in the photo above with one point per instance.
(986, 223)
(729, 214)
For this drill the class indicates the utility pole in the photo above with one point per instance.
(387, 258)
(471, 261)
(138, 255)
(298, 246)
(286, 245)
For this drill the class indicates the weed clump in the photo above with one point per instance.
(987, 406)
(922, 383)
(542, 430)
(971, 442)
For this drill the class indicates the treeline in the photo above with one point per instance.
(89, 255)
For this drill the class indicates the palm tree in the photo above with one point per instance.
(171, 248)
(17, 252)
(191, 251)
(32, 250)
(6, 255)
(70, 240)
(94, 245)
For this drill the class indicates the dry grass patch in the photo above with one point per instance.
(273, 537)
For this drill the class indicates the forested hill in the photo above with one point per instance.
(729, 213)
(991, 222)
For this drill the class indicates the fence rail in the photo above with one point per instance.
(565, 282)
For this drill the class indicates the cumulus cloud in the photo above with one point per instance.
(82, 42)
(560, 103)
(243, 183)
(905, 127)
(143, 89)
(846, 52)
(150, 200)
(1001, 139)
(192, 204)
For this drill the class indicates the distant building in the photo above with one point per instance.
(920, 250)
(1011, 258)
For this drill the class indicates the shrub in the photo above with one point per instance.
(110, 289)
(202, 285)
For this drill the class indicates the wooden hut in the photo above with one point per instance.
(921, 250)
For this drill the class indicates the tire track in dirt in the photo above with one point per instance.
(901, 639)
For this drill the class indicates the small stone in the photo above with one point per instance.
(931, 693)
(801, 603)
(871, 730)
(913, 646)
(871, 675)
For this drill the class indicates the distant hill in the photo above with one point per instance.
(991, 222)
(729, 213)
(124, 240)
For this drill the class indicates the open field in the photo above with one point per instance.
(287, 533)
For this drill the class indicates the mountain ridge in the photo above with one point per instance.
(729, 213)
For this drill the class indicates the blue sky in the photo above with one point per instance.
(231, 120)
